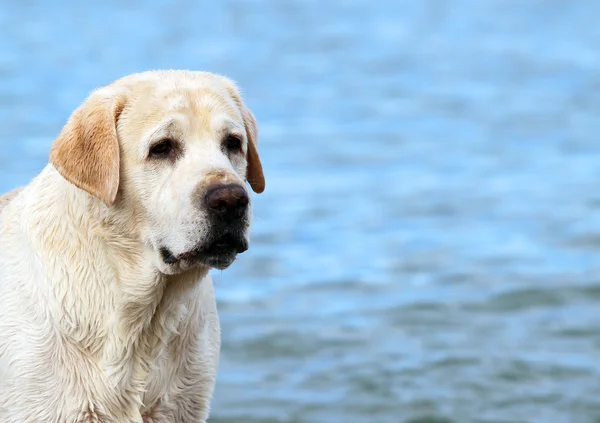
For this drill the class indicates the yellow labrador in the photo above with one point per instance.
(107, 310)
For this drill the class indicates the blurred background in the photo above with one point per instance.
(427, 246)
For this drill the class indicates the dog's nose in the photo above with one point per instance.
(228, 201)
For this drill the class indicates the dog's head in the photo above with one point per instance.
(173, 148)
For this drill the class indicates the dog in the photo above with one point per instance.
(107, 307)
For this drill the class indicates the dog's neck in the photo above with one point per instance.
(93, 258)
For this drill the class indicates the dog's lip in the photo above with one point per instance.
(224, 245)
(167, 256)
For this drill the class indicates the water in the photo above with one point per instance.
(426, 249)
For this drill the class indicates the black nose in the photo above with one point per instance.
(227, 201)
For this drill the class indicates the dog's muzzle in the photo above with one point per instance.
(227, 207)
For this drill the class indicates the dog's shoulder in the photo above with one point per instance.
(6, 198)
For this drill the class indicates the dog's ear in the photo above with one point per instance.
(86, 153)
(254, 172)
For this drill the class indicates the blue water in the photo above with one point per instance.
(427, 247)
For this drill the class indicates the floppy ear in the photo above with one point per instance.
(254, 172)
(86, 153)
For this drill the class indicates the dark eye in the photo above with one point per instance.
(233, 144)
(162, 149)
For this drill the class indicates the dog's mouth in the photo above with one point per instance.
(218, 253)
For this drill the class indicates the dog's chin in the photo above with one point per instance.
(218, 253)
(220, 262)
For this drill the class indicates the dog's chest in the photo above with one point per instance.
(160, 390)
(151, 377)
(182, 372)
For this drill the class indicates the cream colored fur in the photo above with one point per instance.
(5, 199)
(93, 326)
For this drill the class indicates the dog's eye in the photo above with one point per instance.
(233, 144)
(162, 149)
